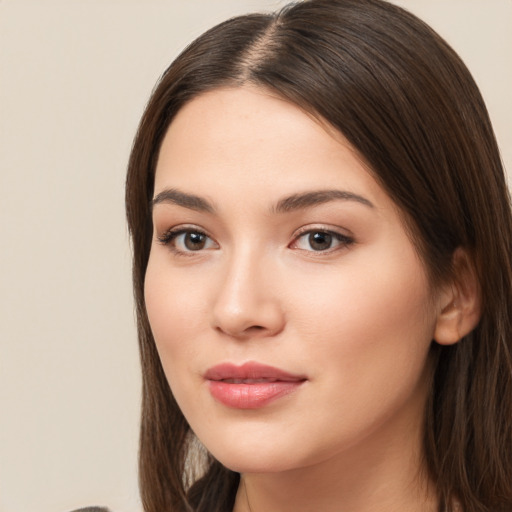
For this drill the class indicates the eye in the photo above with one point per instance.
(186, 240)
(319, 240)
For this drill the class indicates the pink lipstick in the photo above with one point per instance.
(251, 385)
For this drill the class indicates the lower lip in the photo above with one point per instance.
(251, 396)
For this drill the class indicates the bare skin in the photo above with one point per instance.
(273, 244)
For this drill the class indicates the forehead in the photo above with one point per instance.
(245, 137)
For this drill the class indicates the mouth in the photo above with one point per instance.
(251, 385)
(248, 381)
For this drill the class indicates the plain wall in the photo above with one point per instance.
(74, 78)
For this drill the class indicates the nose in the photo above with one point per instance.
(247, 304)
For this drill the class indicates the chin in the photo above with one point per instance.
(259, 457)
(251, 463)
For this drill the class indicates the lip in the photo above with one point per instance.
(251, 385)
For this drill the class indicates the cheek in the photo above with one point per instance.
(367, 340)
(175, 310)
(368, 317)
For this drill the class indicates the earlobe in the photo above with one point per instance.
(459, 302)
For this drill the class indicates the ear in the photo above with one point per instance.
(459, 303)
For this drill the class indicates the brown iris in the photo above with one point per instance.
(195, 241)
(320, 241)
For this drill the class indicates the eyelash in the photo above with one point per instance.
(344, 240)
(169, 237)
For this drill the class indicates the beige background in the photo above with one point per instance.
(74, 77)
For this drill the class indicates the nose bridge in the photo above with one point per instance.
(246, 302)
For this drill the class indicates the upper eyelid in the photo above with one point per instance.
(184, 228)
(335, 234)
(337, 230)
(168, 239)
(175, 231)
(345, 237)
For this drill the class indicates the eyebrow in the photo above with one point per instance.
(309, 199)
(190, 201)
(288, 204)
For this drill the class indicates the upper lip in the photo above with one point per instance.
(250, 371)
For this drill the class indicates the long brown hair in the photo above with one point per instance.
(410, 107)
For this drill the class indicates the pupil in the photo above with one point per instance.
(195, 241)
(320, 241)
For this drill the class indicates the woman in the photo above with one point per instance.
(321, 231)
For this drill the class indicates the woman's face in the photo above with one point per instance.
(291, 313)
